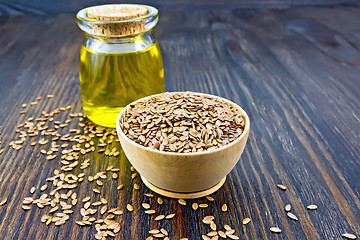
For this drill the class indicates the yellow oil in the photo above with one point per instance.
(110, 81)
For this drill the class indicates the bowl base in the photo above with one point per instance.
(189, 195)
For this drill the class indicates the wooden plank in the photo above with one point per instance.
(294, 71)
(45, 7)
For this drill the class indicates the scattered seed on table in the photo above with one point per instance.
(121, 186)
(312, 207)
(246, 221)
(203, 205)
(145, 205)
(229, 232)
(54, 209)
(182, 201)
(213, 226)
(87, 205)
(27, 201)
(129, 208)
(25, 207)
(195, 206)
(282, 187)
(164, 231)
(211, 234)
(159, 235)
(160, 201)
(287, 207)
(136, 186)
(43, 188)
(118, 212)
(208, 219)
(222, 234)
(151, 211)
(86, 199)
(292, 216)
(210, 198)
(233, 236)
(154, 231)
(103, 209)
(169, 216)
(224, 208)
(348, 235)
(275, 230)
(3, 202)
(98, 203)
(227, 227)
(204, 237)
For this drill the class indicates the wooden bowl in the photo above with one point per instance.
(184, 175)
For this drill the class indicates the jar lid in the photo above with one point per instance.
(117, 20)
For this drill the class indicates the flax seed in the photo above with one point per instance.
(151, 211)
(292, 216)
(288, 208)
(145, 205)
(43, 188)
(231, 236)
(312, 207)
(210, 198)
(246, 221)
(222, 234)
(25, 207)
(170, 216)
(275, 230)
(160, 217)
(3, 202)
(129, 208)
(348, 235)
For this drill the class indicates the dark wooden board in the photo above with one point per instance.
(19, 7)
(295, 71)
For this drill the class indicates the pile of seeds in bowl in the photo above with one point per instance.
(183, 122)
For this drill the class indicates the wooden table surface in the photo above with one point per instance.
(295, 71)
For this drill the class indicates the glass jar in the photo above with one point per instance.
(120, 61)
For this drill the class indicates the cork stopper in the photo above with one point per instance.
(127, 14)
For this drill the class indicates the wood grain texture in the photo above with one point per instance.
(19, 7)
(297, 74)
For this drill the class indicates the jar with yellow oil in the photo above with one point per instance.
(120, 59)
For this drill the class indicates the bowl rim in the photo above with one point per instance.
(243, 113)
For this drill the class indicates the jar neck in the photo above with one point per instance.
(119, 45)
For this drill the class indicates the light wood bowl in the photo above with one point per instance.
(184, 175)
